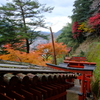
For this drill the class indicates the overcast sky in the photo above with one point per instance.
(59, 16)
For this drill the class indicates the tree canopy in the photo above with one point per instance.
(7, 31)
(66, 35)
(46, 50)
(81, 10)
(8, 35)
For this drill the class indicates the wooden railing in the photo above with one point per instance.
(38, 86)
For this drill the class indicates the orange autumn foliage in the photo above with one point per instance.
(46, 50)
(41, 56)
(7, 45)
(16, 45)
(16, 55)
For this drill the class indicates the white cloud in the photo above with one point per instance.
(62, 11)
(60, 3)
(60, 7)
(2, 2)
(56, 23)
(59, 16)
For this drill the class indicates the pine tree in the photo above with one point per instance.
(7, 35)
(25, 15)
(81, 10)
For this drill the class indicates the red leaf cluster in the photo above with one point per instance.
(94, 21)
(76, 32)
(75, 27)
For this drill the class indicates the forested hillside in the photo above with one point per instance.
(76, 32)
(83, 35)
(85, 24)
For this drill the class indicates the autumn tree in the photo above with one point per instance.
(81, 13)
(85, 28)
(41, 56)
(26, 15)
(18, 56)
(46, 50)
(94, 23)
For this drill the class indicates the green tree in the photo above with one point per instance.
(66, 35)
(26, 15)
(81, 10)
(7, 34)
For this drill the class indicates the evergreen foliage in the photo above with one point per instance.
(66, 35)
(7, 35)
(81, 10)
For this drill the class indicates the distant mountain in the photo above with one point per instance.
(57, 33)
(40, 40)
(45, 33)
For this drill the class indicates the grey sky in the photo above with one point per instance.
(62, 7)
(59, 17)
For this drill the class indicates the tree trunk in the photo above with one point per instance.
(27, 46)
